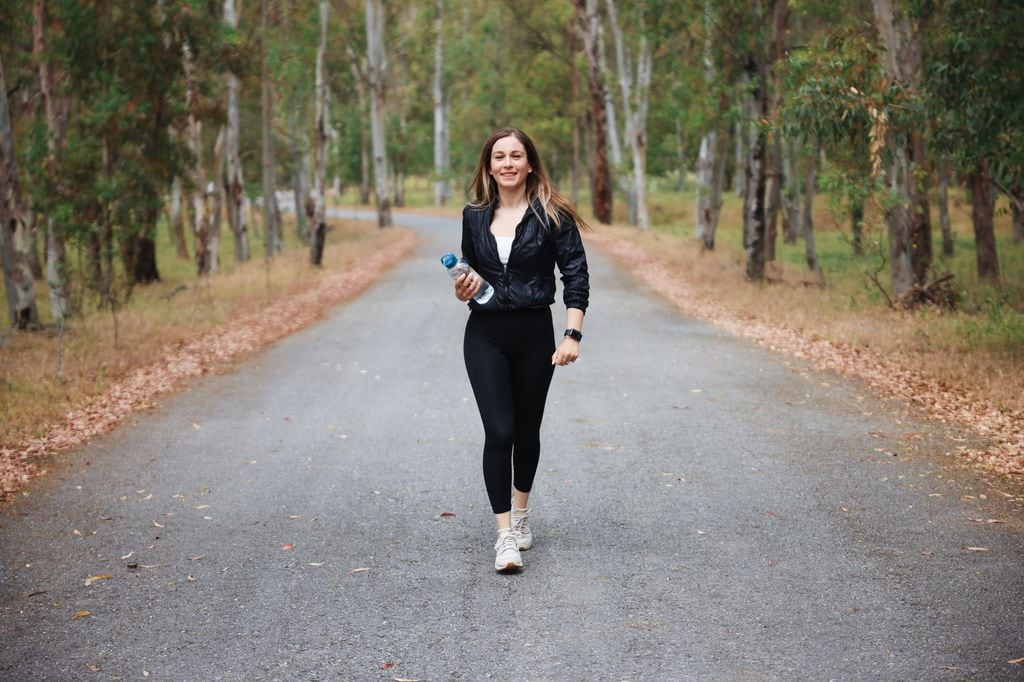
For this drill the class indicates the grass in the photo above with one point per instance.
(172, 311)
(979, 346)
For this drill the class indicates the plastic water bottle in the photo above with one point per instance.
(458, 267)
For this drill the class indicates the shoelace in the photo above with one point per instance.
(519, 519)
(506, 543)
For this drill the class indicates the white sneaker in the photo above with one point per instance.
(507, 556)
(521, 528)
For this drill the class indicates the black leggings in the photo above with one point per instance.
(508, 358)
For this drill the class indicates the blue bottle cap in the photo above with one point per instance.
(449, 260)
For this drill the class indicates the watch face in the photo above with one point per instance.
(574, 334)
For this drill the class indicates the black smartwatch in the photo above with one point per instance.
(574, 334)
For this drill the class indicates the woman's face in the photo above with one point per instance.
(509, 166)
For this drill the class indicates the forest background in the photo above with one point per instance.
(848, 172)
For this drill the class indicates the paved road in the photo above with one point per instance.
(704, 510)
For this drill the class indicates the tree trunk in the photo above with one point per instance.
(144, 267)
(56, 123)
(982, 214)
(947, 232)
(14, 243)
(574, 96)
(377, 61)
(709, 158)
(903, 61)
(754, 232)
(857, 224)
(921, 220)
(320, 137)
(705, 230)
(634, 107)
(808, 220)
(233, 182)
(177, 222)
(271, 228)
(601, 189)
(780, 22)
(201, 194)
(442, 185)
(300, 182)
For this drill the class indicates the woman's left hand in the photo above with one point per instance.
(566, 353)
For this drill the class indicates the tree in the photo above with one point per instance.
(233, 182)
(710, 161)
(377, 68)
(601, 189)
(14, 245)
(271, 227)
(635, 91)
(320, 136)
(442, 185)
(57, 111)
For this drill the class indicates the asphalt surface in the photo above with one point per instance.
(705, 509)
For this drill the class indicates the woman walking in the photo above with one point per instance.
(515, 230)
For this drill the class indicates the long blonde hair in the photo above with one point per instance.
(483, 189)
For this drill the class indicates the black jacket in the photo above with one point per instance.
(528, 281)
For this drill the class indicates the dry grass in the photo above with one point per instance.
(159, 316)
(966, 348)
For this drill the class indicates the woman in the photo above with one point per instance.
(514, 231)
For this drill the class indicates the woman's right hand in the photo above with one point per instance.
(467, 286)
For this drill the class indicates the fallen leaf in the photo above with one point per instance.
(127, 556)
(196, 426)
(158, 525)
(287, 548)
(387, 666)
(406, 679)
(78, 615)
(191, 578)
(134, 565)
(145, 673)
(976, 549)
(358, 570)
(446, 515)
(92, 668)
(95, 578)
(202, 506)
(196, 558)
(316, 563)
(995, 521)
(1016, 661)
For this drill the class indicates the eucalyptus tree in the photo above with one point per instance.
(233, 181)
(600, 188)
(442, 161)
(271, 226)
(56, 106)
(14, 243)
(377, 78)
(320, 137)
(974, 93)
(635, 90)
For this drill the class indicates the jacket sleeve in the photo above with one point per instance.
(572, 264)
(468, 248)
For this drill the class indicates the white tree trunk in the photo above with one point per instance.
(14, 243)
(56, 122)
(320, 137)
(634, 108)
(378, 84)
(271, 229)
(201, 195)
(233, 181)
(215, 201)
(442, 185)
(707, 203)
(894, 39)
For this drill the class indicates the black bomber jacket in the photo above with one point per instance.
(528, 281)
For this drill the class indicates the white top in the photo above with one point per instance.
(504, 248)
